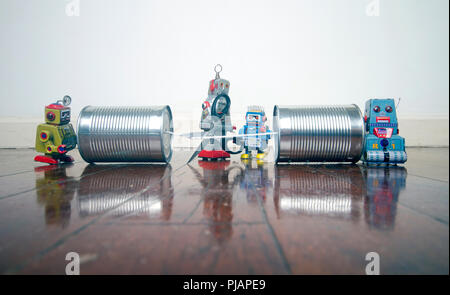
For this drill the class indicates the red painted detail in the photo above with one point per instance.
(55, 106)
(62, 149)
(44, 168)
(43, 135)
(234, 127)
(383, 132)
(217, 165)
(206, 104)
(49, 149)
(383, 120)
(365, 118)
(213, 154)
(211, 86)
(46, 159)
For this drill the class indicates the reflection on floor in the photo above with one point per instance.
(228, 217)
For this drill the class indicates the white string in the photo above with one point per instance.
(200, 135)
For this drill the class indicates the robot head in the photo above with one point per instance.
(380, 113)
(218, 86)
(379, 108)
(58, 113)
(255, 115)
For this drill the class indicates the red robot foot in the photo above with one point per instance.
(213, 154)
(46, 159)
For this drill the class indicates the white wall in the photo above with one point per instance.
(273, 52)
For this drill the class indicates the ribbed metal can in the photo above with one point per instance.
(125, 134)
(318, 133)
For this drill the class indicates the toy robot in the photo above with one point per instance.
(215, 120)
(56, 137)
(255, 124)
(382, 144)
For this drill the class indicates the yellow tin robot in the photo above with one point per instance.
(56, 137)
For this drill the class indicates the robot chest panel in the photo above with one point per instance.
(65, 130)
(252, 141)
(252, 129)
(67, 134)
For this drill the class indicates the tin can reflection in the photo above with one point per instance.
(126, 191)
(343, 191)
(333, 190)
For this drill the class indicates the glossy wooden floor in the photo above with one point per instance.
(224, 217)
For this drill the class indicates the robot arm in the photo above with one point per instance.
(268, 131)
(228, 126)
(240, 140)
(46, 138)
(205, 120)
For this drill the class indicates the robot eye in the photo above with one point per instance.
(376, 109)
(65, 115)
(50, 116)
(388, 109)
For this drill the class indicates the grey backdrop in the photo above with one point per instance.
(163, 52)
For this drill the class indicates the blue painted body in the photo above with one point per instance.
(382, 144)
(255, 126)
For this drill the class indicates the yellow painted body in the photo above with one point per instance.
(56, 135)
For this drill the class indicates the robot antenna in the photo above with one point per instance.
(66, 100)
(218, 69)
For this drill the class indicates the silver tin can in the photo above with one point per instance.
(125, 134)
(318, 133)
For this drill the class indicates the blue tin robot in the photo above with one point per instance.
(255, 124)
(382, 144)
